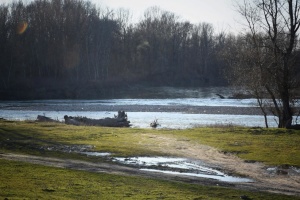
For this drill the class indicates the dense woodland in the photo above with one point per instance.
(73, 49)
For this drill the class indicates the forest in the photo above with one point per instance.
(73, 49)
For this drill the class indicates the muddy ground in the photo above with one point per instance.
(264, 180)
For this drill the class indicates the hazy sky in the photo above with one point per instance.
(220, 13)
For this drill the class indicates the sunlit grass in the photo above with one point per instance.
(271, 146)
(28, 181)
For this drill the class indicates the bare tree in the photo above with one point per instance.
(202, 42)
(269, 61)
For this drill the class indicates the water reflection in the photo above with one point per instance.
(174, 92)
(61, 104)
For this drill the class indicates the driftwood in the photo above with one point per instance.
(41, 118)
(118, 121)
(221, 96)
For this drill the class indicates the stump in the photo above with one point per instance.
(154, 124)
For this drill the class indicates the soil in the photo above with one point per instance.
(264, 180)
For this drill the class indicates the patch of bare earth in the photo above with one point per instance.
(263, 180)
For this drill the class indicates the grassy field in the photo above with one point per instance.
(27, 181)
(270, 146)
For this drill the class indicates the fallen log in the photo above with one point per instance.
(119, 120)
(41, 118)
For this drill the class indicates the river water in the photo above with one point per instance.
(145, 97)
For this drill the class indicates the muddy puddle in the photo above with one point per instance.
(174, 166)
(166, 165)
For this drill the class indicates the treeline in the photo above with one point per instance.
(73, 49)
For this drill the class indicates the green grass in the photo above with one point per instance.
(27, 181)
(270, 146)
(29, 136)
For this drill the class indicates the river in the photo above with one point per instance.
(176, 108)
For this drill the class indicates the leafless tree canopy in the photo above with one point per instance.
(267, 60)
(72, 44)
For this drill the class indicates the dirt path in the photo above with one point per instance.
(264, 181)
(289, 184)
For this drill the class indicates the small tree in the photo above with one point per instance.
(266, 61)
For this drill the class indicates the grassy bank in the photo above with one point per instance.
(27, 181)
(270, 146)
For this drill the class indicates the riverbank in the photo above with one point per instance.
(246, 152)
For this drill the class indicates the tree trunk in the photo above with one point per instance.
(287, 114)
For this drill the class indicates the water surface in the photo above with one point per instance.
(179, 166)
(142, 97)
(171, 120)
